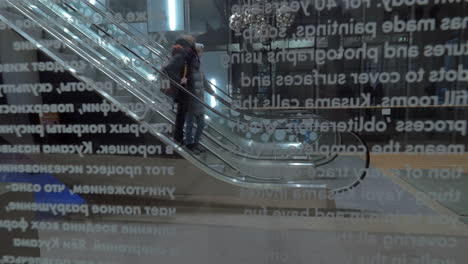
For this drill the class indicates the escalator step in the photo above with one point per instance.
(218, 167)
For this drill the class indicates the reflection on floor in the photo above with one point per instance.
(195, 243)
(440, 180)
(378, 193)
(383, 221)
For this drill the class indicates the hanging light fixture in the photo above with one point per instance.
(260, 19)
(284, 17)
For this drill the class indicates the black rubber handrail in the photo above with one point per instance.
(163, 56)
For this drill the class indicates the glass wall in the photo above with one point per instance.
(234, 131)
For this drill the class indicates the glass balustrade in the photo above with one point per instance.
(241, 148)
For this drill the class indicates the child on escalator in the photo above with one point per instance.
(196, 110)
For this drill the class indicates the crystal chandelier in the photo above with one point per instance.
(261, 20)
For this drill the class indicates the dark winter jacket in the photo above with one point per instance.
(182, 53)
(199, 86)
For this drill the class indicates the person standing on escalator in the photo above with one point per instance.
(196, 109)
(179, 69)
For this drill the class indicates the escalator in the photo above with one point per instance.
(242, 148)
(121, 30)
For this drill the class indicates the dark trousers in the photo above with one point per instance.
(182, 109)
(200, 121)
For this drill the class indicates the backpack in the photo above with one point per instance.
(169, 88)
(166, 86)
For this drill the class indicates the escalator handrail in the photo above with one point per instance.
(183, 88)
(221, 176)
(142, 42)
(180, 87)
(152, 42)
(151, 48)
(119, 25)
(364, 171)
